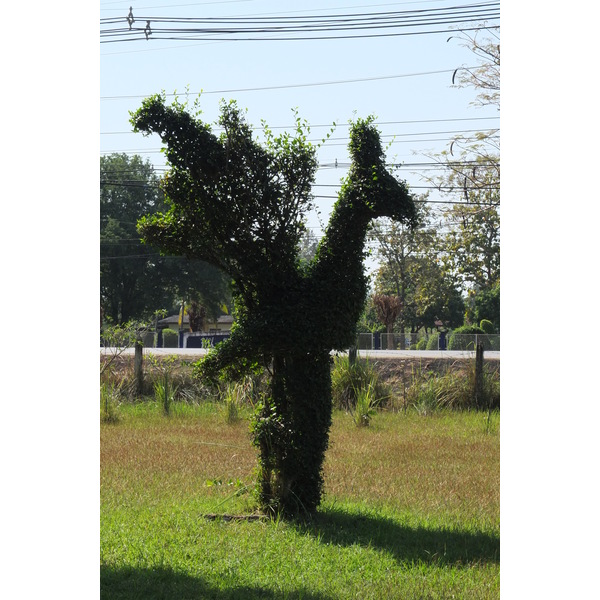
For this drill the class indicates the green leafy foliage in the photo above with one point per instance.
(487, 326)
(170, 338)
(348, 378)
(463, 338)
(135, 279)
(240, 206)
(366, 405)
(486, 305)
(109, 402)
(412, 271)
(454, 389)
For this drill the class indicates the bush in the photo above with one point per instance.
(170, 338)
(422, 344)
(432, 342)
(453, 390)
(347, 380)
(463, 338)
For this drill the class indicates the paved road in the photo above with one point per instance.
(375, 354)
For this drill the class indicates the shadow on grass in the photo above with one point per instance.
(130, 583)
(405, 544)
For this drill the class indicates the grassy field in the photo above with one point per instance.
(411, 510)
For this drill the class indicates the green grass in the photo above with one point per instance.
(411, 510)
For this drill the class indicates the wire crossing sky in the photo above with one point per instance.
(331, 61)
(279, 28)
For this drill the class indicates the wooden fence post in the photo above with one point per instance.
(352, 352)
(479, 375)
(138, 371)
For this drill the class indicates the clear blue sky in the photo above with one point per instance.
(405, 78)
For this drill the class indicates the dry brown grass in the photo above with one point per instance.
(175, 457)
(444, 465)
(438, 464)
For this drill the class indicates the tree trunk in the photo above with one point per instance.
(292, 433)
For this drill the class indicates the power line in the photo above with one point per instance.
(395, 141)
(287, 86)
(490, 133)
(413, 121)
(279, 28)
(330, 18)
(388, 135)
(441, 188)
(306, 38)
(457, 163)
(205, 42)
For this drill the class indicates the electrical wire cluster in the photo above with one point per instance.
(133, 27)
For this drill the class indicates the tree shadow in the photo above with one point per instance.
(404, 543)
(129, 583)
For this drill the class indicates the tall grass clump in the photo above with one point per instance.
(349, 379)
(247, 392)
(233, 398)
(109, 402)
(454, 389)
(426, 392)
(164, 386)
(164, 393)
(366, 405)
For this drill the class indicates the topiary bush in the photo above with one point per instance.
(432, 342)
(463, 338)
(240, 205)
(170, 338)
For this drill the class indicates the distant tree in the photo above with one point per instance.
(388, 308)
(196, 315)
(128, 190)
(398, 248)
(472, 244)
(241, 206)
(135, 280)
(485, 78)
(368, 322)
(411, 269)
(471, 175)
(486, 305)
(309, 244)
(473, 161)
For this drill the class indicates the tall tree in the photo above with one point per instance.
(472, 174)
(387, 308)
(241, 206)
(411, 269)
(135, 280)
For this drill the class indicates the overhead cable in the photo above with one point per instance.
(278, 28)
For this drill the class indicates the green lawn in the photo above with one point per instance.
(411, 511)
